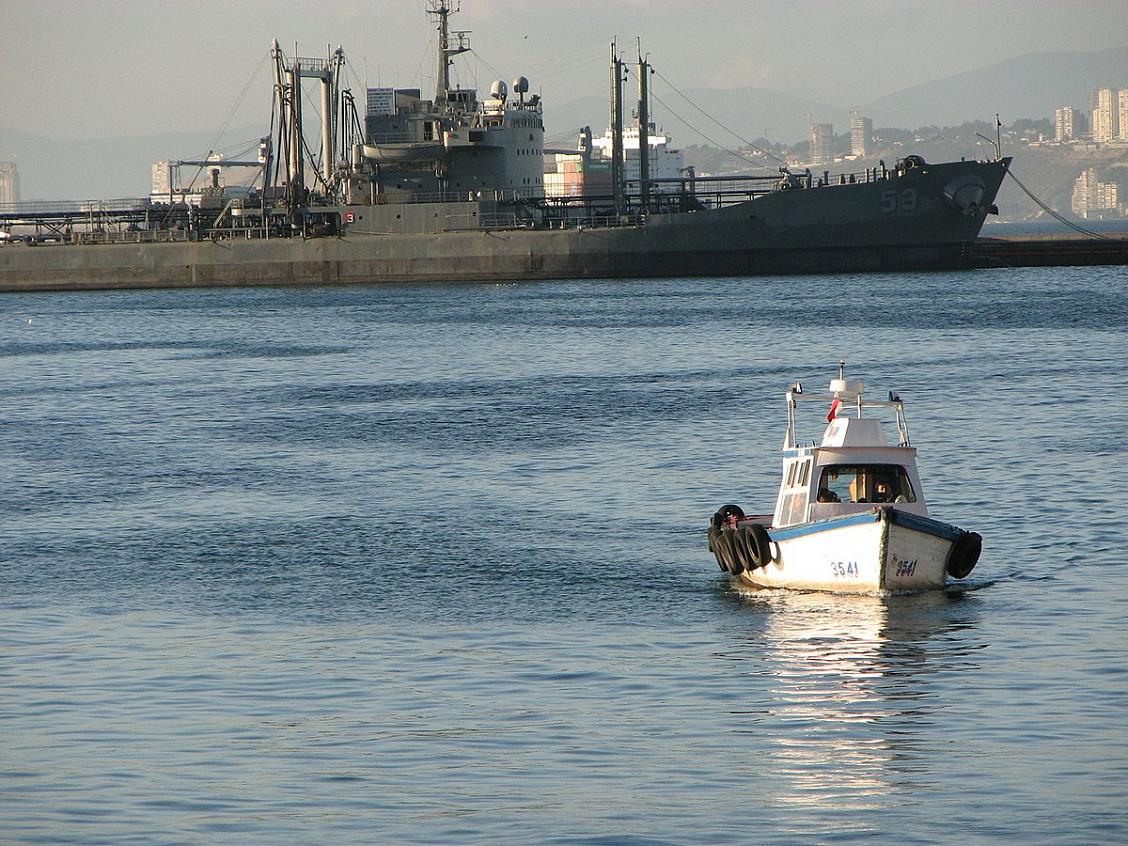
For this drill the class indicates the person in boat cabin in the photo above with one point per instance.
(863, 483)
(825, 494)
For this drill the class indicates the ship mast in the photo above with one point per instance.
(442, 10)
(643, 130)
(617, 129)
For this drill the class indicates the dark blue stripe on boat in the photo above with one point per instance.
(824, 525)
(926, 524)
(901, 518)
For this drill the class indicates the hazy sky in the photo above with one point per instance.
(105, 68)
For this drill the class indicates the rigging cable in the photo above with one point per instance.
(480, 58)
(717, 122)
(703, 135)
(231, 114)
(558, 138)
(1051, 212)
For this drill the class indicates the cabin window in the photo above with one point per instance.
(794, 505)
(865, 483)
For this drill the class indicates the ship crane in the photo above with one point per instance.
(288, 76)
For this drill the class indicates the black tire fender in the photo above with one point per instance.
(740, 544)
(728, 550)
(724, 512)
(715, 547)
(759, 545)
(964, 554)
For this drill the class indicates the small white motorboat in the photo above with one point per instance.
(850, 515)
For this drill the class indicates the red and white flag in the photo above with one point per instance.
(833, 410)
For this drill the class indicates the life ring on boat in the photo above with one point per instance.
(964, 554)
(724, 512)
(728, 544)
(757, 543)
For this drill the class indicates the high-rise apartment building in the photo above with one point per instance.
(1105, 114)
(861, 134)
(9, 183)
(162, 181)
(1065, 124)
(1091, 197)
(822, 143)
(1122, 108)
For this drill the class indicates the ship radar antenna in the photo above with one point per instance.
(442, 10)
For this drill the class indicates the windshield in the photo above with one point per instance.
(865, 483)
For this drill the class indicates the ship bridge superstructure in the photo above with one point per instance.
(456, 146)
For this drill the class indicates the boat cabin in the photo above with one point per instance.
(853, 468)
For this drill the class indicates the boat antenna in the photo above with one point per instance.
(997, 143)
(442, 10)
(842, 368)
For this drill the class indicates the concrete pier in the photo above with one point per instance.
(1049, 250)
(513, 255)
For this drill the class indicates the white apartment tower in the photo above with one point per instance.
(1092, 197)
(162, 181)
(1122, 108)
(9, 183)
(1105, 115)
(861, 131)
(822, 143)
(1064, 124)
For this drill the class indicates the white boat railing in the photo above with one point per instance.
(844, 398)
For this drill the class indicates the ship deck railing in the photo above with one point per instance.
(37, 209)
(403, 137)
(518, 221)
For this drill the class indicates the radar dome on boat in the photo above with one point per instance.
(520, 85)
(845, 388)
(498, 89)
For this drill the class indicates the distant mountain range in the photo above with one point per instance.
(1029, 86)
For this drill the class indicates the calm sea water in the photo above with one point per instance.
(428, 565)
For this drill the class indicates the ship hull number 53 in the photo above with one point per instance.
(903, 200)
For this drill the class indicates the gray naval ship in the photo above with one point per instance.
(452, 189)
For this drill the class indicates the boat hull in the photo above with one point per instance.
(836, 228)
(881, 550)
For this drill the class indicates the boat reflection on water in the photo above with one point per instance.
(851, 710)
